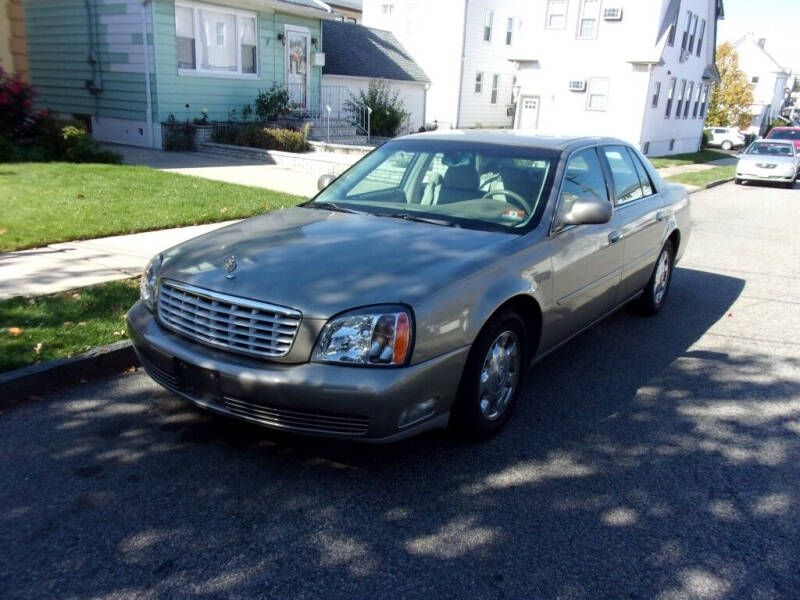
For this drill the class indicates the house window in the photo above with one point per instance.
(670, 97)
(597, 98)
(754, 79)
(702, 36)
(509, 30)
(556, 14)
(495, 83)
(513, 85)
(184, 32)
(672, 145)
(351, 20)
(656, 94)
(685, 39)
(673, 28)
(646, 148)
(704, 100)
(697, 100)
(680, 98)
(688, 100)
(487, 26)
(214, 39)
(478, 82)
(693, 35)
(587, 22)
(387, 9)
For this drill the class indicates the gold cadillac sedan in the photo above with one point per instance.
(415, 290)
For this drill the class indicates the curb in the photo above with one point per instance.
(51, 375)
(708, 186)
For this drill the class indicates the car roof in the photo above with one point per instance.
(785, 127)
(513, 137)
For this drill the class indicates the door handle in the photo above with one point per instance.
(614, 237)
(661, 215)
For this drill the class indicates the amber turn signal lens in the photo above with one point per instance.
(402, 335)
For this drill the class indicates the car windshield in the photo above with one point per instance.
(785, 134)
(771, 149)
(464, 184)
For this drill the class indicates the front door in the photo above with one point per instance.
(298, 41)
(586, 259)
(529, 112)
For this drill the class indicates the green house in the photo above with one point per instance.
(126, 66)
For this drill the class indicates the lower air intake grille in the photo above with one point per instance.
(299, 420)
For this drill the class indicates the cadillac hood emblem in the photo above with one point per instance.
(230, 266)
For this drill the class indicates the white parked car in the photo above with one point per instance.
(726, 138)
(769, 160)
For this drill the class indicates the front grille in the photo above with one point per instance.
(298, 420)
(228, 322)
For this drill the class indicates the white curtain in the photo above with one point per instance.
(217, 41)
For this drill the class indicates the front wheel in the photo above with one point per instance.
(493, 378)
(655, 293)
(737, 181)
(726, 145)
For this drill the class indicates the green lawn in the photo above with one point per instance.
(42, 203)
(693, 158)
(705, 177)
(65, 324)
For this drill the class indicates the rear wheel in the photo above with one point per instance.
(655, 293)
(493, 378)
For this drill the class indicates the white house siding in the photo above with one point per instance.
(412, 94)
(432, 32)
(772, 79)
(490, 58)
(626, 54)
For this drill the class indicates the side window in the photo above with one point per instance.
(648, 189)
(386, 176)
(623, 173)
(583, 178)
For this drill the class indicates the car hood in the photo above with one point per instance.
(322, 262)
(766, 158)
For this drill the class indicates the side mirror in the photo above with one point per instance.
(588, 211)
(324, 181)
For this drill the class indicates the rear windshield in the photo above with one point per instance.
(771, 149)
(784, 134)
(466, 184)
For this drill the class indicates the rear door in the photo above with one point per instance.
(641, 217)
(586, 259)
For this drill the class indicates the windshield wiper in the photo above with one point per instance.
(333, 206)
(409, 217)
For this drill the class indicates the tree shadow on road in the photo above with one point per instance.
(638, 465)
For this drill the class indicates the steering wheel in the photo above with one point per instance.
(510, 194)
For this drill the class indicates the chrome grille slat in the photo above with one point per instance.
(298, 419)
(236, 324)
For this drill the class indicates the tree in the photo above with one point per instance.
(732, 96)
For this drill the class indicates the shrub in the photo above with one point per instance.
(705, 139)
(178, 137)
(272, 103)
(18, 120)
(258, 136)
(388, 109)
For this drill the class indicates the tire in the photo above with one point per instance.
(493, 379)
(726, 145)
(789, 184)
(737, 181)
(655, 292)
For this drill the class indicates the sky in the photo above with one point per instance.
(776, 20)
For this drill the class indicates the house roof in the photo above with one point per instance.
(358, 51)
(752, 39)
(309, 4)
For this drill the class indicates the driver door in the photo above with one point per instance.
(586, 259)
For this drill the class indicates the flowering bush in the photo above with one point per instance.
(30, 135)
(18, 120)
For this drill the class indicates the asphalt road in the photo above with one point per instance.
(650, 458)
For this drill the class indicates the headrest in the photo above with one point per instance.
(461, 178)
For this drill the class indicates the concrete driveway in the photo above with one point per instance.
(221, 168)
(649, 458)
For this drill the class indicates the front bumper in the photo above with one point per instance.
(309, 398)
(761, 174)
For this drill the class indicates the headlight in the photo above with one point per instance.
(147, 285)
(378, 335)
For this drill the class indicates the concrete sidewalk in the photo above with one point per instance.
(70, 265)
